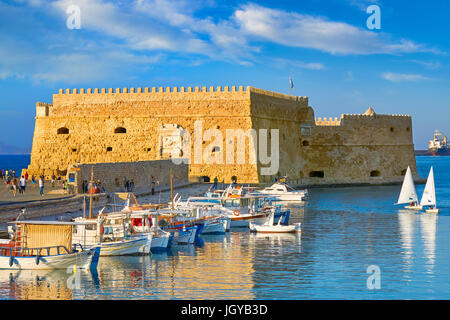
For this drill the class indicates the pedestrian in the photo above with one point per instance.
(1, 174)
(131, 185)
(153, 185)
(127, 186)
(14, 186)
(53, 180)
(23, 184)
(26, 175)
(41, 186)
(215, 183)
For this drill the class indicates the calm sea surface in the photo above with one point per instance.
(345, 230)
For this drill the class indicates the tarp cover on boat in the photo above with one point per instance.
(47, 235)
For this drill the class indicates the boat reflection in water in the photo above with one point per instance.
(35, 284)
(428, 223)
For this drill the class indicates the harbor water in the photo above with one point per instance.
(345, 232)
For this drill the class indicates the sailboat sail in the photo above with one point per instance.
(429, 194)
(408, 193)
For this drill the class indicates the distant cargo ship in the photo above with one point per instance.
(438, 145)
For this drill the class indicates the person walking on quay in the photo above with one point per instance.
(1, 174)
(41, 186)
(14, 186)
(131, 185)
(214, 187)
(23, 184)
(53, 180)
(152, 179)
(26, 175)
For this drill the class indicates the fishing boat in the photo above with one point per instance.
(281, 191)
(113, 233)
(408, 192)
(270, 227)
(45, 245)
(429, 195)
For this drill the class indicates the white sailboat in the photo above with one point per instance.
(429, 194)
(408, 192)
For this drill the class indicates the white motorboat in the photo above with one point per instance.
(408, 192)
(283, 192)
(429, 195)
(113, 233)
(269, 227)
(45, 245)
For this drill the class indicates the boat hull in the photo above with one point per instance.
(186, 236)
(216, 227)
(160, 242)
(414, 207)
(127, 247)
(432, 210)
(275, 228)
(81, 260)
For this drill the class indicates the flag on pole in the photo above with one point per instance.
(291, 83)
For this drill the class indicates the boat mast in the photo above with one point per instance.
(171, 187)
(90, 191)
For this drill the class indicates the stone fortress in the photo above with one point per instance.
(142, 124)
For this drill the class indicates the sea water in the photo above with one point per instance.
(346, 234)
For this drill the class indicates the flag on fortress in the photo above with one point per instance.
(291, 83)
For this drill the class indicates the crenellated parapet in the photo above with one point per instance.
(330, 122)
(103, 91)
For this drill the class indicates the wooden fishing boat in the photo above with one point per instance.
(45, 245)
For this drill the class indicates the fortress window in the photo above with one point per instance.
(392, 129)
(148, 149)
(216, 149)
(120, 130)
(316, 174)
(407, 129)
(108, 149)
(305, 143)
(403, 172)
(62, 130)
(74, 150)
(234, 178)
(375, 173)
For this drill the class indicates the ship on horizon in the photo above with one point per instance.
(438, 145)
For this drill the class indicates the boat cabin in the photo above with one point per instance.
(39, 238)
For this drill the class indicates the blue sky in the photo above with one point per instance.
(334, 59)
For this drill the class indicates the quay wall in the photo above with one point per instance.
(114, 175)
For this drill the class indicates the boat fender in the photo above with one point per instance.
(236, 212)
(11, 261)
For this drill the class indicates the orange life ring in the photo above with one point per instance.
(236, 212)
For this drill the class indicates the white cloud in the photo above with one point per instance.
(306, 31)
(404, 77)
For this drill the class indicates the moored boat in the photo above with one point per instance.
(45, 245)
(268, 226)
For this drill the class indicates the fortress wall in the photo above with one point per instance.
(91, 120)
(285, 113)
(113, 175)
(361, 145)
(346, 150)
